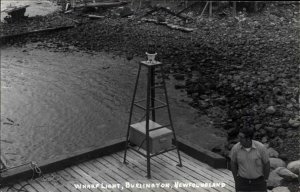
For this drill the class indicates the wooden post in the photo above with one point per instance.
(203, 9)
(255, 6)
(140, 4)
(210, 9)
(73, 3)
(234, 9)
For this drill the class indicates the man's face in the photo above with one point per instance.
(245, 142)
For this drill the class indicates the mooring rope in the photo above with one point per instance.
(18, 190)
(37, 170)
(36, 173)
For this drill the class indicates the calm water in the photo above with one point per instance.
(57, 103)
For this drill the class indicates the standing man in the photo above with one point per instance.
(250, 163)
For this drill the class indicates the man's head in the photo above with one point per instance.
(245, 136)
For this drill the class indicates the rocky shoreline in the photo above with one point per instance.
(241, 71)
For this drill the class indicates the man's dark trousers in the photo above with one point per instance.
(258, 184)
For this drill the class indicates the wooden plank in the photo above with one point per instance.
(163, 168)
(138, 168)
(189, 177)
(94, 171)
(46, 181)
(104, 172)
(36, 185)
(139, 173)
(195, 163)
(160, 177)
(53, 182)
(118, 161)
(114, 173)
(81, 172)
(3, 189)
(99, 177)
(204, 176)
(94, 164)
(180, 170)
(69, 180)
(47, 186)
(95, 16)
(108, 162)
(222, 172)
(190, 172)
(157, 168)
(19, 186)
(63, 161)
(204, 171)
(29, 188)
(166, 167)
(14, 187)
(81, 179)
(63, 181)
(185, 177)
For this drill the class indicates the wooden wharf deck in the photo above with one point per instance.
(108, 173)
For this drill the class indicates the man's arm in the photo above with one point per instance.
(233, 162)
(266, 163)
(266, 169)
(234, 169)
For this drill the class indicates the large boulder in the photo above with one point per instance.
(276, 162)
(277, 141)
(294, 166)
(274, 180)
(295, 123)
(286, 174)
(125, 11)
(273, 153)
(281, 189)
(270, 110)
